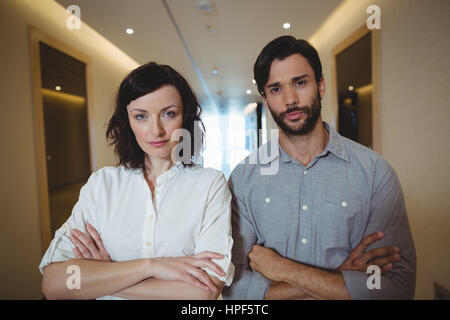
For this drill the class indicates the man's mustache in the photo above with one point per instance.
(283, 114)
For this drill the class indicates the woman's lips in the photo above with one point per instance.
(158, 144)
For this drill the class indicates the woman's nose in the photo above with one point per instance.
(156, 129)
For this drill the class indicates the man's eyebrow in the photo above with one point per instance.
(275, 84)
(294, 79)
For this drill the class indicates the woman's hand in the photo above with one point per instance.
(88, 246)
(188, 269)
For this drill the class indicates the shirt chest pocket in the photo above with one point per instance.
(340, 220)
(272, 218)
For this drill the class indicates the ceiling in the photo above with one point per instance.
(228, 38)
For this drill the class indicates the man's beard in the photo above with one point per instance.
(312, 114)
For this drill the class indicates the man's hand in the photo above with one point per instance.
(265, 261)
(359, 260)
(88, 246)
(284, 291)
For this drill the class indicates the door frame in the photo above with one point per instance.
(36, 36)
(375, 48)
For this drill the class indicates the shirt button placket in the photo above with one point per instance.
(306, 213)
(149, 230)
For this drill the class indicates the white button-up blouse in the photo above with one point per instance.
(190, 213)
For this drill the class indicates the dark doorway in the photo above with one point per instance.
(66, 130)
(354, 85)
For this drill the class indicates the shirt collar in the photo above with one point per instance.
(169, 174)
(164, 177)
(335, 146)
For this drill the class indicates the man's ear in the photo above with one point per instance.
(264, 99)
(321, 86)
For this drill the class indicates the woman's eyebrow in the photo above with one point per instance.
(168, 107)
(163, 109)
(139, 110)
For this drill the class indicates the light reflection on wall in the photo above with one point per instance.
(225, 141)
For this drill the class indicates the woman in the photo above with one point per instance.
(154, 227)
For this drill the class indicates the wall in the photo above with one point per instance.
(415, 113)
(20, 238)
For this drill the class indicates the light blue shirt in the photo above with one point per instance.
(316, 215)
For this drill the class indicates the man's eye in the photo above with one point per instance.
(300, 82)
(275, 90)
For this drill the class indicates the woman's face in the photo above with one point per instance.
(153, 119)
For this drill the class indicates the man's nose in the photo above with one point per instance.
(290, 96)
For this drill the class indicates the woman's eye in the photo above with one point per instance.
(139, 117)
(169, 114)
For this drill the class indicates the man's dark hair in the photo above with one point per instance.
(279, 49)
(141, 81)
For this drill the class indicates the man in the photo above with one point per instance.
(334, 207)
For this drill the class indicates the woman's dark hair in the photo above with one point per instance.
(281, 48)
(141, 81)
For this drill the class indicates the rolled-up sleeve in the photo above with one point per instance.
(387, 214)
(215, 234)
(247, 285)
(85, 210)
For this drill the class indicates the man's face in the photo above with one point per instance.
(293, 96)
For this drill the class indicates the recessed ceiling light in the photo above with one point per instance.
(350, 88)
(287, 25)
(129, 31)
(215, 71)
(249, 91)
(58, 88)
(254, 82)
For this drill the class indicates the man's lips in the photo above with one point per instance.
(158, 143)
(294, 115)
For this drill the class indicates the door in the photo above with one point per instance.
(66, 130)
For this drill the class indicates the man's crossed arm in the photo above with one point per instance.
(294, 280)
